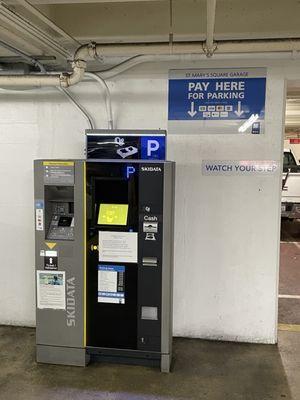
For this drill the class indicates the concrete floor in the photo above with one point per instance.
(202, 370)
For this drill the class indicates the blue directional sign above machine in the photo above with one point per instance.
(125, 144)
(230, 100)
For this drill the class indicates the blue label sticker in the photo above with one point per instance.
(39, 204)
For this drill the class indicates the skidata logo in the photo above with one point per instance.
(151, 169)
(71, 310)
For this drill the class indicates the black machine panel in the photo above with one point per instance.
(132, 321)
(150, 256)
(110, 325)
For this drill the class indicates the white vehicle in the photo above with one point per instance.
(290, 199)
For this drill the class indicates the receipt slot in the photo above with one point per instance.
(104, 261)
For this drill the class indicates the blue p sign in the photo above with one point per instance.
(129, 171)
(153, 147)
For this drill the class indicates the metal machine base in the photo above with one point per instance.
(62, 355)
(134, 357)
(81, 357)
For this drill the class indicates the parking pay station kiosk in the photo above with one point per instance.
(104, 255)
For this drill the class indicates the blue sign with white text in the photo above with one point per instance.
(218, 95)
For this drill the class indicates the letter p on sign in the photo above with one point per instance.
(152, 146)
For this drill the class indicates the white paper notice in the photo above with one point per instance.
(118, 246)
(51, 290)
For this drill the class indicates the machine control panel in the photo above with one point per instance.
(62, 222)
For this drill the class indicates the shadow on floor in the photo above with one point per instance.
(290, 230)
(202, 370)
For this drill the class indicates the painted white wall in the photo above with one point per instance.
(227, 228)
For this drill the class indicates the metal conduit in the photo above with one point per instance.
(78, 106)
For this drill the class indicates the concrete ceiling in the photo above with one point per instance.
(142, 20)
(111, 21)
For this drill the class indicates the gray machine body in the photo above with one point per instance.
(60, 333)
(61, 227)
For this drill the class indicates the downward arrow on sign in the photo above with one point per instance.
(192, 111)
(239, 110)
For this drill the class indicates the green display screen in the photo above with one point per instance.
(113, 214)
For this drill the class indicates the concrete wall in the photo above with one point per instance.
(227, 228)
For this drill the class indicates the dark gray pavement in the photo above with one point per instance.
(290, 230)
(289, 277)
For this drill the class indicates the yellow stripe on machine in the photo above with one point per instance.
(84, 254)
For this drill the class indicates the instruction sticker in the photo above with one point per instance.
(51, 290)
(59, 172)
(50, 260)
(111, 284)
(118, 247)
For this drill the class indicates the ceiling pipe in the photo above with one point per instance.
(155, 52)
(93, 50)
(38, 80)
(209, 46)
(141, 59)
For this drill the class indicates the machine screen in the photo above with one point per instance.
(65, 221)
(113, 214)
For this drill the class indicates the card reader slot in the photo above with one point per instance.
(59, 213)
